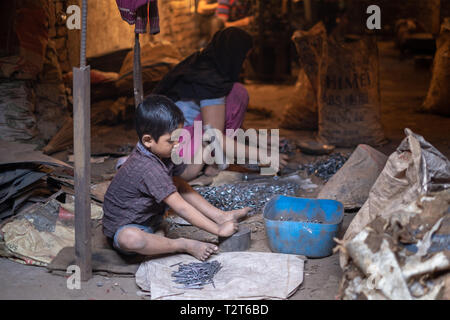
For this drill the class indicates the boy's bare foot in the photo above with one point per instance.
(198, 249)
(234, 214)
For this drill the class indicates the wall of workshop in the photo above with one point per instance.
(179, 25)
(107, 32)
(445, 9)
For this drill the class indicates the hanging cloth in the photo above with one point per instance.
(139, 13)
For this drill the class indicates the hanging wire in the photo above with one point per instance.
(137, 72)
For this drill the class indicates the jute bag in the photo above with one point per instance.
(301, 111)
(345, 77)
(438, 97)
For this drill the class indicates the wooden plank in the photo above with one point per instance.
(308, 10)
(82, 155)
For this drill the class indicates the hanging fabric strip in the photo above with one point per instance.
(139, 13)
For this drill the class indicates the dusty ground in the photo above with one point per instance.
(404, 87)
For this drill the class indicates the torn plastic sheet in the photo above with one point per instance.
(415, 266)
(399, 239)
(415, 169)
(385, 278)
(434, 166)
(38, 233)
(381, 267)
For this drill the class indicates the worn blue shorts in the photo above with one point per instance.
(156, 223)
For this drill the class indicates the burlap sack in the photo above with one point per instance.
(438, 97)
(345, 77)
(349, 94)
(301, 111)
(311, 48)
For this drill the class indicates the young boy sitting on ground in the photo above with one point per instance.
(147, 183)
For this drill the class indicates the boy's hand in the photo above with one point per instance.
(227, 228)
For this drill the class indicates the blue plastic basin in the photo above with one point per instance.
(289, 228)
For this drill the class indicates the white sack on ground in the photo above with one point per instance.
(244, 275)
(352, 183)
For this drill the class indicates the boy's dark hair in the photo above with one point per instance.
(157, 115)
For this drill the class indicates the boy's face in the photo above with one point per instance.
(163, 147)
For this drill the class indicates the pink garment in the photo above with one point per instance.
(139, 12)
(235, 107)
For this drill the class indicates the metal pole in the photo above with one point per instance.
(137, 72)
(82, 155)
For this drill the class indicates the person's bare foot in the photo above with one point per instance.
(234, 214)
(200, 250)
(211, 171)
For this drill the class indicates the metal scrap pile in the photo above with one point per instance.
(255, 195)
(196, 275)
(326, 168)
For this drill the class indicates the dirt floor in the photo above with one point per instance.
(403, 88)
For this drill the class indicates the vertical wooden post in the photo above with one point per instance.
(308, 10)
(435, 16)
(82, 155)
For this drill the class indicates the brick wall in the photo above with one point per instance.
(51, 93)
(36, 44)
(107, 32)
(178, 24)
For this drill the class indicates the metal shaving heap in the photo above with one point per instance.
(196, 275)
(326, 168)
(254, 195)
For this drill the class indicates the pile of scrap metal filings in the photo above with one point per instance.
(326, 168)
(196, 275)
(398, 245)
(255, 195)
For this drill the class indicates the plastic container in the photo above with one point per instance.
(302, 226)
